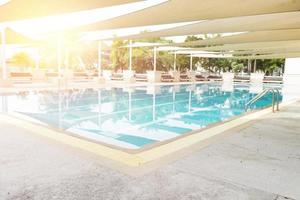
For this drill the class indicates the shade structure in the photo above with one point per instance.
(213, 55)
(266, 22)
(142, 44)
(257, 36)
(26, 9)
(271, 56)
(191, 10)
(13, 37)
(266, 51)
(254, 46)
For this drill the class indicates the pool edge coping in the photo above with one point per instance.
(140, 158)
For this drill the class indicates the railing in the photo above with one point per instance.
(275, 98)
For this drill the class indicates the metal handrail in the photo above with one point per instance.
(275, 98)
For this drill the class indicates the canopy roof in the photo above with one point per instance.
(142, 44)
(203, 55)
(175, 11)
(254, 46)
(258, 36)
(26, 9)
(13, 37)
(271, 56)
(278, 21)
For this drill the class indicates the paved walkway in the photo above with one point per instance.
(260, 161)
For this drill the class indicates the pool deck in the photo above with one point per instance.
(260, 160)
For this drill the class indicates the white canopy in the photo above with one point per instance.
(175, 11)
(278, 21)
(271, 56)
(26, 9)
(258, 36)
(254, 46)
(13, 37)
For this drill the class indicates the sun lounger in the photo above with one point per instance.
(273, 79)
(167, 78)
(184, 78)
(199, 77)
(241, 78)
(21, 76)
(215, 78)
(117, 77)
(141, 77)
(80, 76)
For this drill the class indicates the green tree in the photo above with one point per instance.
(237, 67)
(22, 59)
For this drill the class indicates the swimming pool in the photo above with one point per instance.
(134, 117)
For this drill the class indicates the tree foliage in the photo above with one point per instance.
(23, 59)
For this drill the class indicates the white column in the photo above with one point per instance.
(175, 59)
(37, 59)
(291, 79)
(191, 62)
(99, 59)
(3, 54)
(67, 59)
(154, 57)
(59, 54)
(254, 68)
(130, 55)
(249, 66)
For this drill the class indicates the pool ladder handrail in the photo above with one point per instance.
(275, 98)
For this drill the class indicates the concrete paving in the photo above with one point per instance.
(259, 161)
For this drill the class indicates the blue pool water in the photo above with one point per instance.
(134, 117)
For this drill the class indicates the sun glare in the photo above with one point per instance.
(38, 27)
(2, 2)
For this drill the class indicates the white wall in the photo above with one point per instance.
(292, 66)
(292, 71)
(291, 79)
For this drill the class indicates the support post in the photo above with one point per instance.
(175, 59)
(154, 61)
(191, 62)
(37, 59)
(130, 55)
(3, 53)
(249, 65)
(99, 59)
(59, 55)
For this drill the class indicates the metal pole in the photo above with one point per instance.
(175, 59)
(254, 70)
(3, 53)
(130, 55)
(191, 63)
(37, 59)
(59, 54)
(249, 65)
(154, 62)
(99, 59)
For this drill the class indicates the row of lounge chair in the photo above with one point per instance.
(165, 77)
(266, 79)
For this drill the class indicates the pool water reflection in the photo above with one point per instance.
(136, 116)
